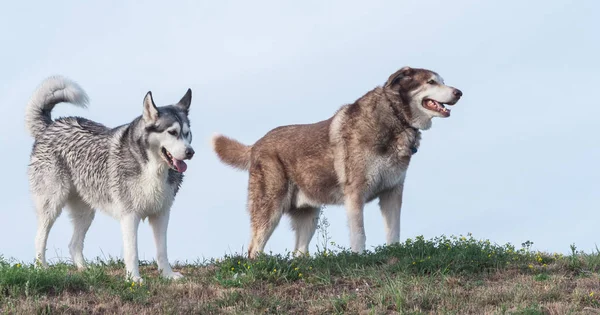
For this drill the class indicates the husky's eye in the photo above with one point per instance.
(173, 132)
(431, 81)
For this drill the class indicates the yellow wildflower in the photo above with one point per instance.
(300, 275)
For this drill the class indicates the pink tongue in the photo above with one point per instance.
(179, 165)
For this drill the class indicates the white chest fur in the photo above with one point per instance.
(153, 193)
(384, 173)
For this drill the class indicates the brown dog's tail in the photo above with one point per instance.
(232, 152)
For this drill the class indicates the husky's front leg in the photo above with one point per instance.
(129, 228)
(159, 223)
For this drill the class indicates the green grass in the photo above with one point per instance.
(441, 275)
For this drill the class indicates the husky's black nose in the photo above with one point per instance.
(457, 92)
(189, 152)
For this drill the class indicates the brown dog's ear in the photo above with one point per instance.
(398, 75)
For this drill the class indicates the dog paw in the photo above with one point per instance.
(81, 267)
(173, 275)
(42, 264)
(300, 253)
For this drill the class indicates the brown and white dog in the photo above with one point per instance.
(359, 154)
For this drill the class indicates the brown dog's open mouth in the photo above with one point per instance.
(174, 163)
(436, 107)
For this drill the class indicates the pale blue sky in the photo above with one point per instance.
(517, 161)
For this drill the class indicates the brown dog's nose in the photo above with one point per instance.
(457, 92)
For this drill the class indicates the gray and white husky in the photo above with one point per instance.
(131, 172)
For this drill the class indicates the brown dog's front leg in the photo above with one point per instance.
(390, 203)
(354, 204)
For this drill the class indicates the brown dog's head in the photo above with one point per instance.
(425, 94)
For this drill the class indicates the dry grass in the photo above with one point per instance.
(417, 277)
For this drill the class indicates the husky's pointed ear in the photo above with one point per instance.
(185, 101)
(150, 110)
(398, 75)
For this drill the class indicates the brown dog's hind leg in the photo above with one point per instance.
(304, 223)
(268, 199)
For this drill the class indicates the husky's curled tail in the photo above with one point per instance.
(54, 90)
(232, 152)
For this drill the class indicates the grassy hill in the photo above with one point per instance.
(455, 275)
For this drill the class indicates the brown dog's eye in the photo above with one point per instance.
(431, 82)
(173, 132)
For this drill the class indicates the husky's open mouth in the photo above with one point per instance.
(174, 163)
(436, 107)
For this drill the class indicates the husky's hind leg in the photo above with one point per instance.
(81, 216)
(50, 189)
(48, 209)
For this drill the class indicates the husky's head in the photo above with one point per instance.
(168, 131)
(425, 94)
